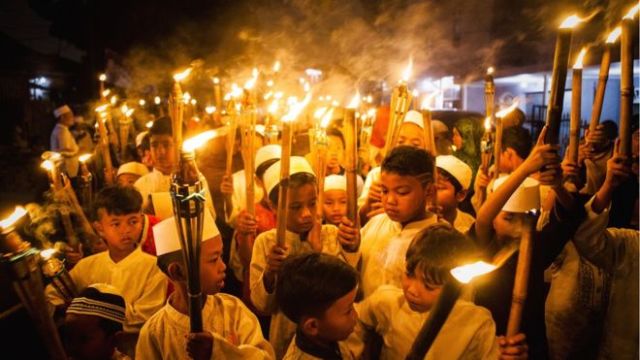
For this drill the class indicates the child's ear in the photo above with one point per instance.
(118, 338)
(310, 326)
(461, 195)
(176, 272)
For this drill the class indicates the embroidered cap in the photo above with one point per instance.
(101, 300)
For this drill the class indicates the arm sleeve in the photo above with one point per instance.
(260, 297)
(152, 299)
(147, 347)
(68, 146)
(484, 344)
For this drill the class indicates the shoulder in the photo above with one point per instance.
(91, 260)
(386, 298)
(466, 311)
(152, 327)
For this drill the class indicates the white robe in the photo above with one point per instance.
(239, 196)
(63, 142)
(141, 283)
(236, 332)
(282, 329)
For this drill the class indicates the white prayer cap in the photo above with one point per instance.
(456, 168)
(335, 182)
(61, 110)
(414, 117)
(167, 238)
(297, 164)
(134, 168)
(266, 153)
(140, 138)
(261, 130)
(524, 199)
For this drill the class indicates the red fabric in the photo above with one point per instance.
(265, 218)
(380, 126)
(149, 244)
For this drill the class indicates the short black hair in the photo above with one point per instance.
(610, 129)
(518, 139)
(162, 126)
(260, 170)
(309, 284)
(117, 200)
(295, 181)
(337, 133)
(409, 161)
(436, 250)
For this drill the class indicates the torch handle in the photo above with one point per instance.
(576, 113)
(603, 77)
(521, 282)
(350, 165)
(283, 194)
(497, 147)
(626, 84)
(558, 78)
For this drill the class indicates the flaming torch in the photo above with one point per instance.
(217, 94)
(248, 141)
(50, 164)
(576, 103)
(102, 78)
(430, 145)
(177, 109)
(497, 148)
(125, 123)
(626, 79)
(21, 263)
(109, 177)
(188, 197)
(86, 182)
(351, 156)
(54, 269)
(603, 77)
(440, 311)
(489, 94)
(400, 101)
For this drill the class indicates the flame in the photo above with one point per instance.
(216, 81)
(250, 83)
(255, 73)
(574, 20)
(632, 12)
(182, 75)
(197, 141)
(270, 83)
(277, 66)
(319, 112)
(47, 165)
(278, 95)
(369, 99)
(142, 102)
(83, 158)
(326, 119)
(47, 254)
(427, 101)
(50, 155)
(355, 101)
(466, 273)
(307, 87)
(490, 70)
(335, 103)
(296, 108)
(157, 100)
(102, 108)
(210, 109)
(236, 91)
(194, 102)
(126, 110)
(149, 124)
(614, 35)
(106, 92)
(504, 112)
(415, 93)
(487, 123)
(406, 74)
(580, 59)
(102, 77)
(273, 107)
(114, 100)
(18, 213)
(371, 113)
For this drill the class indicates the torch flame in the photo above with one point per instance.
(296, 108)
(504, 112)
(83, 158)
(47, 165)
(634, 10)
(614, 35)
(319, 112)
(255, 73)
(273, 107)
(487, 123)
(47, 254)
(179, 77)
(250, 83)
(326, 119)
(277, 66)
(106, 92)
(466, 273)
(18, 213)
(102, 108)
(186, 97)
(197, 141)
(427, 100)
(216, 81)
(194, 102)
(149, 124)
(580, 59)
(406, 74)
(210, 109)
(574, 20)
(157, 100)
(142, 102)
(490, 70)
(270, 83)
(114, 100)
(102, 77)
(355, 102)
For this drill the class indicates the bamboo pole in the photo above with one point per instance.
(603, 77)
(283, 186)
(626, 83)
(351, 156)
(521, 282)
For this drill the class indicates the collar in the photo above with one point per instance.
(128, 259)
(414, 225)
(180, 320)
(332, 352)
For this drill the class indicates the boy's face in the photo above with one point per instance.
(212, 266)
(509, 161)
(162, 153)
(127, 179)
(335, 206)
(85, 339)
(448, 198)
(339, 320)
(120, 232)
(420, 297)
(508, 226)
(302, 208)
(403, 197)
(335, 152)
(411, 135)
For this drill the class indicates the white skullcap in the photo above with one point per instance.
(167, 238)
(414, 117)
(266, 153)
(61, 110)
(297, 164)
(524, 199)
(134, 168)
(457, 168)
(140, 137)
(261, 130)
(335, 182)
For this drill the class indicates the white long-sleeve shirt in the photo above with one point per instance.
(142, 284)
(235, 329)
(239, 196)
(63, 142)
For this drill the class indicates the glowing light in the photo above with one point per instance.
(216, 81)
(179, 77)
(355, 101)
(580, 59)
(157, 100)
(17, 214)
(47, 165)
(278, 95)
(317, 114)
(250, 83)
(142, 102)
(415, 93)
(255, 73)
(574, 20)
(490, 70)
(313, 73)
(47, 254)
(307, 87)
(406, 74)
(277, 66)
(371, 113)
(273, 107)
(106, 92)
(614, 35)
(210, 109)
(236, 91)
(127, 111)
(466, 273)
(149, 124)
(296, 108)
(270, 83)
(191, 144)
(194, 102)
(426, 102)
(504, 112)
(102, 77)
(83, 158)
(632, 12)
(326, 119)
(114, 100)
(186, 97)
(487, 123)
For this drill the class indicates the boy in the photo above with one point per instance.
(317, 292)
(398, 314)
(268, 255)
(118, 221)
(230, 330)
(406, 189)
(454, 178)
(164, 163)
(334, 207)
(129, 173)
(93, 324)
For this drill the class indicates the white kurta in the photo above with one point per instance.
(295, 353)
(463, 221)
(236, 332)
(239, 196)
(63, 142)
(372, 176)
(156, 181)
(468, 333)
(140, 281)
(384, 246)
(282, 329)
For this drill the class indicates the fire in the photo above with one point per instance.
(250, 83)
(186, 97)
(273, 107)
(210, 109)
(157, 100)
(466, 273)
(632, 13)
(270, 83)
(106, 92)
(571, 22)
(83, 158)
(406, 74)
(102, 108)
(102, 77)
(490, 70)
(295, 108)
(149, 124)
(47, 165)
(191, 144)
(307, 87)
(194, 102)
(277, 66)
(504, 112)
(255, 73)
(580, 59)
(47, 254)
(216, 81)
(126, 110)
(487, 123)
(371, 113)
(426, 102)
(142, 102)
(614, 35)
(114, 100)
(319, 112)
(17, 214)
(179, 77)
(326, 119)
(355, 102)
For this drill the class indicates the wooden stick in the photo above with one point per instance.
(521, 282)
(603, 77)
(109, 179)
(626, 84)
(351, 156)
(576, 113)
(558, 78)
(497, 147)
(249, 162)
(400, 101)
(283, 193)
(177, 113)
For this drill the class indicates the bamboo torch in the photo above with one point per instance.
(603, 77)
(249, 132)
(489, 95)
(521, 281)
(430, 146)
(102, 78)
(400, 101)
(559, 77)
(497, 147)
(86, 182)
(576, 111)
(232, 111)
(54, 269)
(217, 92)
(351, 156)
(626, 80)
(109, 177)
(177, 110)
(125, 124)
